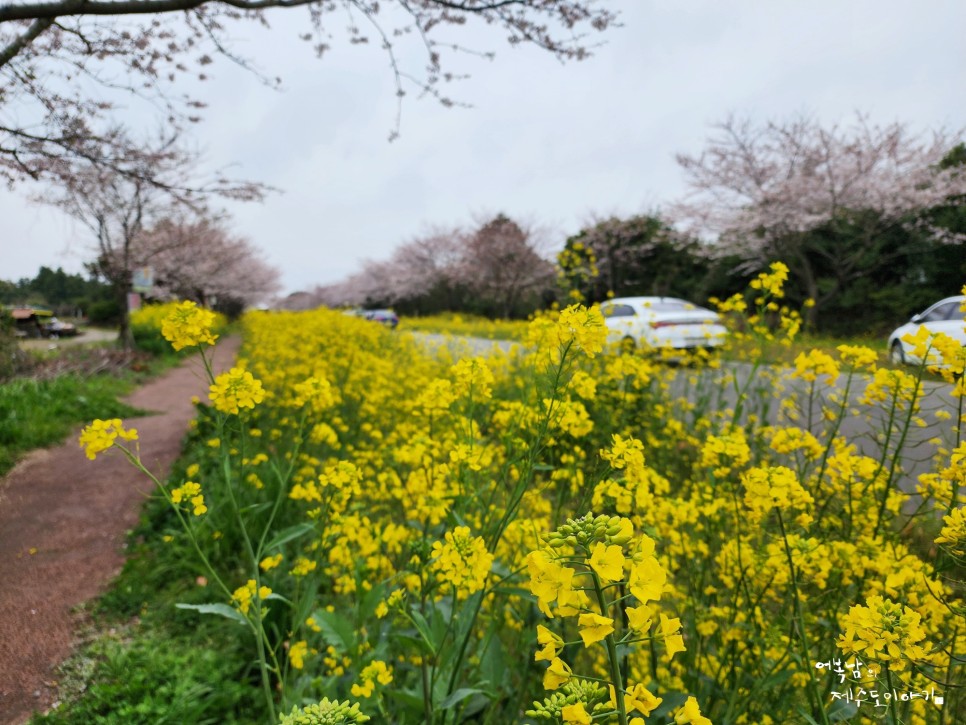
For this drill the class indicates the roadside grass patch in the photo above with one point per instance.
(38, 413)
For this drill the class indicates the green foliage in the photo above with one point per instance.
(38, 413)
(64, 293)
(635, 256)
(152, 677)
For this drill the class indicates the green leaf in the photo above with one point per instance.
(422, 626)
(290, 534)
(841, 710)
(408, 698)
(220, 609)
(459, 695)
(337, 631)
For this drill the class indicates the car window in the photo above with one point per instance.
(947, 311)
(618, 311)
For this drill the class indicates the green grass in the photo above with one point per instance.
(135, 674)
(39, 413)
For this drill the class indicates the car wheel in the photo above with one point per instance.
(896, 355)
(628, 344)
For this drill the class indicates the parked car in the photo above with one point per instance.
(655, 322)
(386, 317)
(946, 316)
(57, 328)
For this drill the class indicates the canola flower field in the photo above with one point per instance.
(551, 536)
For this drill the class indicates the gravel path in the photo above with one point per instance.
(63, 521)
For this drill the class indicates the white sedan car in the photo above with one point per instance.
(656, 322)
(946, 316)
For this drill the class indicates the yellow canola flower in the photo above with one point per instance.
(100, 435)
(608, 562)
(297, 653)
(773, 487)
(552, 644)
(809, 366)
(593, 627)
(637, 698)
(462, 562)
(270, 562)
(575, 714)
(884, 631)
(690, 714)
(245, 595)
(953, 533)
(858, 356)
(670, 631)
(376, 671)
(772, 283)
(557, 674)
(639, 618)
(189, 325)
(647, 577)
(234, 390)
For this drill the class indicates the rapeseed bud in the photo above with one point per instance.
(234, 390)
(326, 712)
(100, 435)
(189, 325)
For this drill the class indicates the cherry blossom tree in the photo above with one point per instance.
(825, 200)
(499, 268)
(199, 259)
(503, 265)
(118, 209)
(67, 66)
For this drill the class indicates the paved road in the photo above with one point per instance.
(87, 336)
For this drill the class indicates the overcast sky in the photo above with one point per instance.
(548, 143)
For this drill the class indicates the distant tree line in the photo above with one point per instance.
(871, 222)
(66, 294)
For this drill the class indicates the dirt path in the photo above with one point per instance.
(63, 521)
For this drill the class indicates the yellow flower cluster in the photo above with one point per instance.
(376, 671)
(244, 596)
(190, 491)
(884, 631)
(189, 325)
(773, 487)
(100, 435)
(235, 390)
(809, 366)
(953, 533)
(772, 283)
(462, 563)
